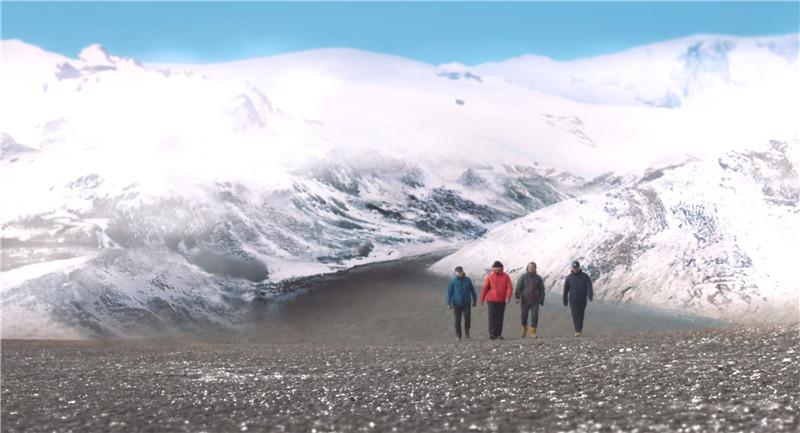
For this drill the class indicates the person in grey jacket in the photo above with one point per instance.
(577, 289)
(530, 294)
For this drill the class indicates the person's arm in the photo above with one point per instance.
(566, 290)
(449, 298)
(518, 290)
(590, 290)
(484, 289)
(509, 288)
(541, 290)
(472, 292)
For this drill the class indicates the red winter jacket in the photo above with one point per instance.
(497, 288)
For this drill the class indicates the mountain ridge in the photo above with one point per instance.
(145, 194)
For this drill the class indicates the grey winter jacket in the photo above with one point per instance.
(530, 289)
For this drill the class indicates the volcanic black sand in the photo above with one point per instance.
(374, 351)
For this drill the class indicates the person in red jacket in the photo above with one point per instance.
(497, 291)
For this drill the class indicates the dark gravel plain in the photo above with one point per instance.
(373, 350)
(691, 381)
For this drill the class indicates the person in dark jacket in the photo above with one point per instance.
(530, 294)
(577, 289)
(497, 291)
(460, 296)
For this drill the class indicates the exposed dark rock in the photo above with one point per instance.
(246, 268)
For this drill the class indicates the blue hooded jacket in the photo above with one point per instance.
(461, 292)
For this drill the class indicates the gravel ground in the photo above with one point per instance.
(373, 350)
(695, 380)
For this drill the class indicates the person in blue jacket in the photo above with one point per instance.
(461, 297)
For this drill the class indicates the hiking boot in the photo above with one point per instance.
(523, 331)
(533, 331)
(577, 334)
(466, 334)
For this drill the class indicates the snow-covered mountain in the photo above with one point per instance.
(146, 197)
(713, 237)
(142, 197)
(663, 74)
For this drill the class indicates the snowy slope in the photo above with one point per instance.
(153, 197)
(371, 100)
(713, 237)
(663, 74)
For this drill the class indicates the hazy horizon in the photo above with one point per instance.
(435, 33)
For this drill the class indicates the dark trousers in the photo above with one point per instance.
(534, 310)
(458, 312)
(496, 312)
(577, 309)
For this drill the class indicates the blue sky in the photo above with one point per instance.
(470, 33)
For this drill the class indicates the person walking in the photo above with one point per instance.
(530, 295)
(577, 289)
(497, 291)
(461, 297)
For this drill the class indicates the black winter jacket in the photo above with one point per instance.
(577, 287)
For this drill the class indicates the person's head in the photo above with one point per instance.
(576, 266)
(459, 271)
(497, 267)
(532, 267)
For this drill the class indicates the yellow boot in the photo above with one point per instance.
(533, 331)
(523, 331)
